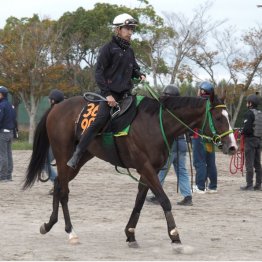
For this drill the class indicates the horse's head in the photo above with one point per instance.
(217, 125)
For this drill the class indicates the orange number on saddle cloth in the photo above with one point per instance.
(89, 116)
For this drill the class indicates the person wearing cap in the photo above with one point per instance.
(55, 96)
(116, 67)
(252, 147)
(177, 157)
(204, 158)
(7, 126)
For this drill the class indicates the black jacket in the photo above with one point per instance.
(7, 115)
(249, 118)
(115, 69)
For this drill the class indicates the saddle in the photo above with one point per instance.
(118, 125)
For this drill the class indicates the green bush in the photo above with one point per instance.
(21, 145)
(22, 142)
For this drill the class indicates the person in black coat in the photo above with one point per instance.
(116, 67)
(252, 146)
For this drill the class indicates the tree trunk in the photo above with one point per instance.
(32, 125)
(234, 119)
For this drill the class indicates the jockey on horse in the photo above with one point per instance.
(116, 66)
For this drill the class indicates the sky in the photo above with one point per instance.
(243, 14)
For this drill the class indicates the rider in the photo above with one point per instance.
(252, 146)
(204, 152)
(116, 66)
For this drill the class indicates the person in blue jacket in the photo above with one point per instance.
(204, 156)
(7, 127)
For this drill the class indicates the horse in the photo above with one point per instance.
(144, 149)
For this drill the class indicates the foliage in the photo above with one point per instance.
(38, 55)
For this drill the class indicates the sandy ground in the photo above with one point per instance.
(223, 226)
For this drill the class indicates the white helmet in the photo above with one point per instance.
(124, 19)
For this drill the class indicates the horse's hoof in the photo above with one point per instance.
(73, 241)
(133, 244)
(43, 230)
(182, 249)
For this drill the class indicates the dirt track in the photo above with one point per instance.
(223, 226)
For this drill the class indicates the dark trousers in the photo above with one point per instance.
(102, 117)
(252, 160)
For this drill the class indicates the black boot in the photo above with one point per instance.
(247, 188)
(257, 187)
(74, 160)
(187, 201)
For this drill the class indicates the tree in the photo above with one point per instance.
(26, 64)
(190, 37)
(242, 61)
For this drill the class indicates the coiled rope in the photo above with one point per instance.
(237, 160)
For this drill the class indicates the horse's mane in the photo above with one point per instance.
(151, 106)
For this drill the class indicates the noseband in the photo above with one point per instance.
(216, 138)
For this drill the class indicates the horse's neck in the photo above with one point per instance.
(187, 118)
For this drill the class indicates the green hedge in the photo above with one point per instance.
(22, 142)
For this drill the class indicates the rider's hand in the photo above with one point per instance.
(142, 78)
(111, 101)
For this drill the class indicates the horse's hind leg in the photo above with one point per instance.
(46, 227)
(64, 196)
(131, 225)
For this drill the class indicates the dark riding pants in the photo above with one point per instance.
(252, 160)
(102, 117)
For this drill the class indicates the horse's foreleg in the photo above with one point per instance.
(167, 207)
(131, 225)
(46, 227)
(156, 188)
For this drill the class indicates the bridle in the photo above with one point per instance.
(216, 138)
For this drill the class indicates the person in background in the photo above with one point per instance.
(252, 146)
(55, 96)
(178, 159)
(116, 67)
(204, 158)
(7, 127)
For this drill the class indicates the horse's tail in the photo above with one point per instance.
(39, 154)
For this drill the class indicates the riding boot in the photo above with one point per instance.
(258, 180)
(249, 185)
(74, 160)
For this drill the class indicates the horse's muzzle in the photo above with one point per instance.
(232, 150)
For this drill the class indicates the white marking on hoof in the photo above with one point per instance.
(174, 232)
(73, 238)
(43, 230)
(182, 249)
(131, 230)
(73, 241)
(133, 244)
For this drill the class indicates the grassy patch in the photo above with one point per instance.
(21, 145)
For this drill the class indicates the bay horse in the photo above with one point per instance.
(145, 149)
